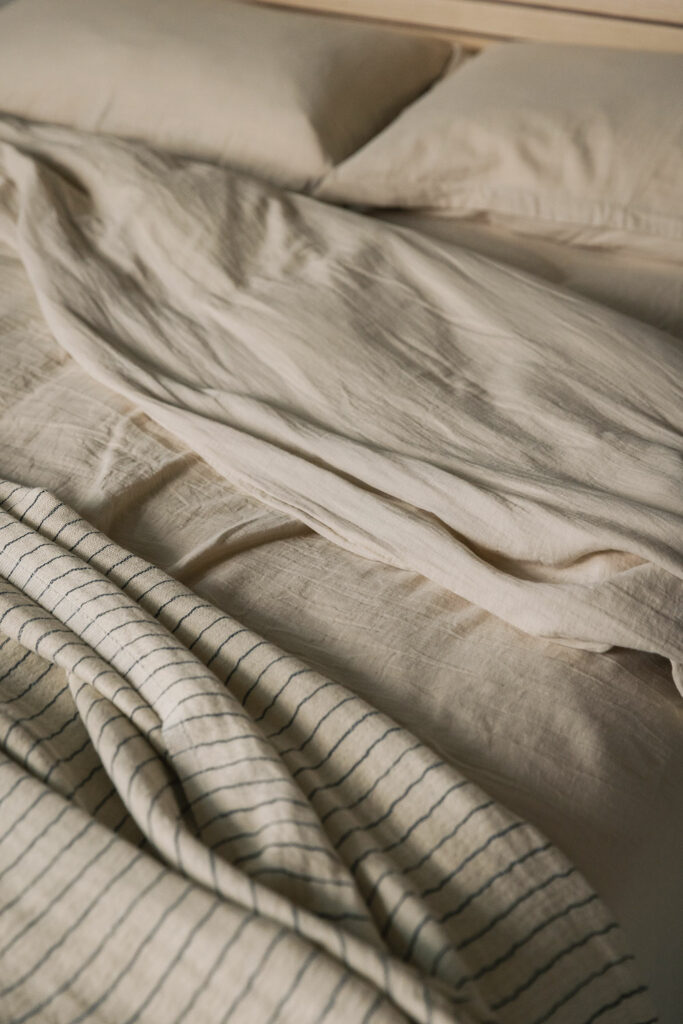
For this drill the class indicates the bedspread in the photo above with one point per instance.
(234, 837)
(421, 406)
(229, 359)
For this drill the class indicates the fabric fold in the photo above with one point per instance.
(413, 402)
(249, 805)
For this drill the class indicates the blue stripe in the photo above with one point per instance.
(264, 828)
(275, 941)
(137, 952)
(69, 931)
(584, 984)
(424, 858)
(511, 950)
(275, 1015)
(549, 964)
(493, 921)
(368, 792)
(416, 824)
(206, 980)
(367, 826)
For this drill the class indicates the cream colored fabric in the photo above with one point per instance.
(583, 146)
(587, 746)
(316, 862)
(280, 95)
(627, 280)
(418, 405)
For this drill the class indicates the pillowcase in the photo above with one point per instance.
(282, 95)
(581, 145)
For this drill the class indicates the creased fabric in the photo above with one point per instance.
(196, 825)
(416, 404)
(586, 746)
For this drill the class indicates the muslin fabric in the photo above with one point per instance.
(418, 405)
(98, 449)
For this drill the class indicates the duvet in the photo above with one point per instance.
(199, 825)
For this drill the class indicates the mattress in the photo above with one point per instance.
(579, 745)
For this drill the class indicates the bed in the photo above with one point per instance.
(340, 512)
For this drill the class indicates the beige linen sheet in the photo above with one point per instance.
(385, 631)
(631, 282)
(417, 405)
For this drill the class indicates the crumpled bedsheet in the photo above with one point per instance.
(198, 826)
(54, 759)
(420, 406)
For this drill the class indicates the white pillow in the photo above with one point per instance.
(279, 94)
(582, 145)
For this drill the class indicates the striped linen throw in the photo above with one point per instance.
(195, 826)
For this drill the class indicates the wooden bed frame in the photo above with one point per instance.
(628, 24)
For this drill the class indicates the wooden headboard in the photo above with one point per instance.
(629, 24)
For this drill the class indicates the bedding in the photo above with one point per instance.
(630, 282)
(324, 908)
(339, 425)
(580, 145)
(376, 637)
(279, 95)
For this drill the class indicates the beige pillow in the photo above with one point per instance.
(282, 95)
(581, 145)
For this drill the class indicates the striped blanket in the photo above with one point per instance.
(195, 826)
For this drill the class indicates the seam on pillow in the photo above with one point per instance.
(485, 200)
